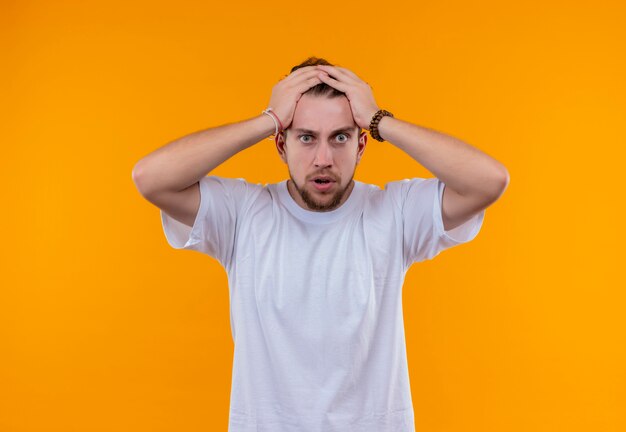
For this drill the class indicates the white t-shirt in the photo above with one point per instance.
(316, 299)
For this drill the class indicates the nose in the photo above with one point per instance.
(323, 155)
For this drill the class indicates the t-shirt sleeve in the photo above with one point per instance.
(424, 237)
(213, 231)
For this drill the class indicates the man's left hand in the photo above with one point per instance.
(358, 92)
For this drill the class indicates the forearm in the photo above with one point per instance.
(187, 160)
(463, 168)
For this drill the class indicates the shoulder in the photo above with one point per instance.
(232, 185)
(237, 192)
(397, 192)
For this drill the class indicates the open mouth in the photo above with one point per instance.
(323, 184)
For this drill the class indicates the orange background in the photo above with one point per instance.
(104, 327)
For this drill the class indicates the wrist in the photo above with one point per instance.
(374, 123)
(278, 126)
(267, 125)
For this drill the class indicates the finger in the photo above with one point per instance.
(313, 82)
(342, 87)
(296, 80)
(348, 72)
(352, 74)
(305, 85)
(340, 74)
(299, 71)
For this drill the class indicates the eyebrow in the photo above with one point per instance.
(311, 132)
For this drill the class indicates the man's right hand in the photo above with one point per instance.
(169, 176)
(287, 92)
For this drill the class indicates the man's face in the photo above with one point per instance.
(322, 150)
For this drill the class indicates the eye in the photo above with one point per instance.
(344, 135)
(303, 136)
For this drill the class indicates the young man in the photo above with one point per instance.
(316, 263)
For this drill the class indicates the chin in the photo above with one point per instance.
(316, 200)
(320, 201)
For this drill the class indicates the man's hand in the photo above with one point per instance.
(288, 91)
(358, 92)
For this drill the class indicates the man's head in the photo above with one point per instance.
(322, 143)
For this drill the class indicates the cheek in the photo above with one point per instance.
(346, 158)
(297, 168)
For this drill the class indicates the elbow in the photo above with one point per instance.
(137, 176)
(500, 183)
(505, 179)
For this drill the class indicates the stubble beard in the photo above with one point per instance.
(314, 205)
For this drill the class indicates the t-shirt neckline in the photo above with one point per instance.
(315, 216)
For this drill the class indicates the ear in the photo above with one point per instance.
(280, 146)
(361, 146)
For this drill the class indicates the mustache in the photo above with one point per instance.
(323, 174)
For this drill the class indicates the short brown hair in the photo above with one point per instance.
(321, 89)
